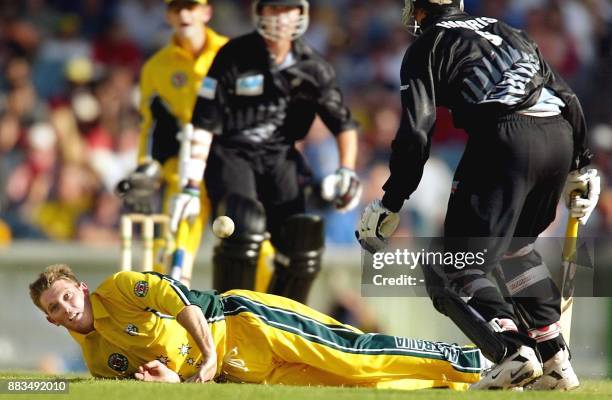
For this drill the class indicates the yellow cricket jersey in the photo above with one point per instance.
(134, 324)
(169, 84)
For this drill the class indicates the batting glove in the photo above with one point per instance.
(377, 224)
(184, 205)
(342, 188)
(581, 193)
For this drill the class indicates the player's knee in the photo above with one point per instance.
(527, 275)
(298, 256)
(235, 257)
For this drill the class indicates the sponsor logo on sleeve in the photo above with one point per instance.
(208, 89)
(252, 85)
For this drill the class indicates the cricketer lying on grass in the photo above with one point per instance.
(150, 327)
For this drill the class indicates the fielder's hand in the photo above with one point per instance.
(156, 371)
(587, 184)
(206, 373)
(377, 224)
(343, 188)
(184, 205)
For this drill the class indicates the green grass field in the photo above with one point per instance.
(82, 387)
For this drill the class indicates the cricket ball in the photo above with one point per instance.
(223, 226)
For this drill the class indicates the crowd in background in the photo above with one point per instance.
(69, 120)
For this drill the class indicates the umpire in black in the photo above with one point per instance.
(261, 95)
(527, 137)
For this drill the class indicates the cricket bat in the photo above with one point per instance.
(569, 273)
(180, 253)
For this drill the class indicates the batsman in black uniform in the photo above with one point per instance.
(527, 137)
(261, 95)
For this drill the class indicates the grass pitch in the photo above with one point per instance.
(83, 387)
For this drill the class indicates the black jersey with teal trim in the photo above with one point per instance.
(250, 102)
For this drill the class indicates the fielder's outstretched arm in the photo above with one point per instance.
(192, 319)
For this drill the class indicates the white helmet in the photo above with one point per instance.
(274, 28)
(430, 5)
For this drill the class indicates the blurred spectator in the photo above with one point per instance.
(547, 28)
(41, 15)
(114, 48)
(145, 23)
(100, 226)
(73, 196)
(29, 182)
(22, 100)
(70, 144)
(66, 43)
(10, 155)
(502, 10)
(20, 38)
(320, 152)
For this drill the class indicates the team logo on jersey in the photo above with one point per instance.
(141, 288)
(118, 362)
(131, 330)
(252, 85)
(208, 88)
(179, 79)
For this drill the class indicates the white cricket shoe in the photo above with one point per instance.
(558, 374)
(515, 371)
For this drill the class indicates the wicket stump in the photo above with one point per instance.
(147, 223)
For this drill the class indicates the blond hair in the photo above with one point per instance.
(46, 279)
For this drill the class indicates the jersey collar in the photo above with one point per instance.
(432, 19)
(211, 39)
(99, 312)
(299, 50)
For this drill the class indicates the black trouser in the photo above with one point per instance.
(506, 191)
(271, 178)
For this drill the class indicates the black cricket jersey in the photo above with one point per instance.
(482, 70)
(252, 104)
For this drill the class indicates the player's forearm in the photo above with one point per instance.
(194, 152)
(192, 319)
(347, 148)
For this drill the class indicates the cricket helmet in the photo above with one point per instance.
(431, 6)
(274, 27)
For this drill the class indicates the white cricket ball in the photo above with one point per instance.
(223, 226)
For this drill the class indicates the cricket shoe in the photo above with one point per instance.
(558, 374)
(515, 371)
